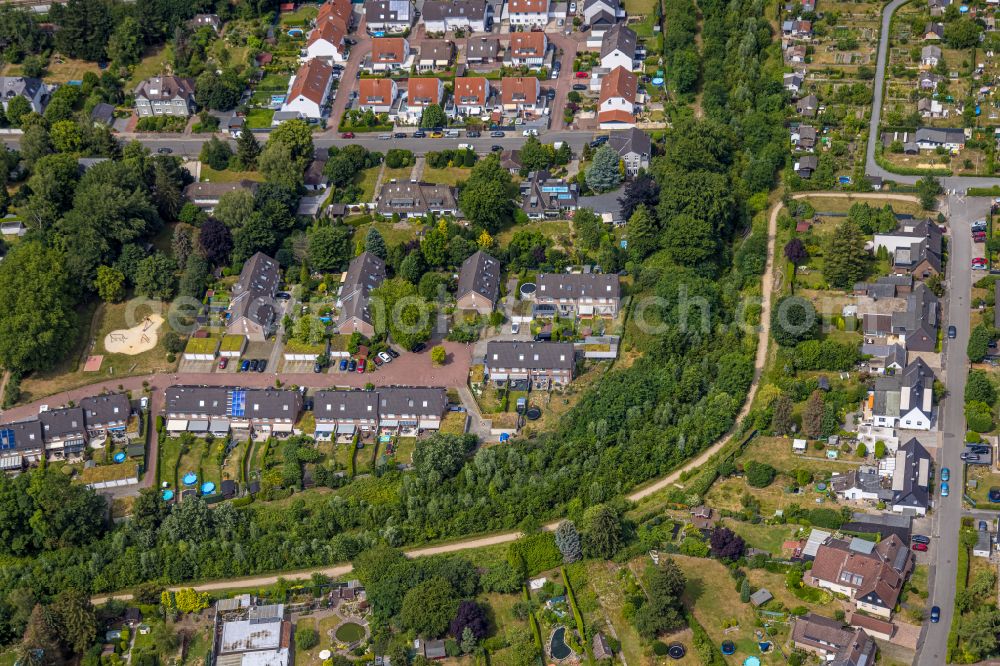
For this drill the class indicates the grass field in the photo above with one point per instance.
(366, 180)
(558, 230)
(393, 233)
(153, 62)
(231, 468)
(301, 16)
(208, 174)
(402, 173)
(59, 70)
(259, 118)
(447, 176)
(170, 451)
(95, 324)
(842, 205)
(765, 537)
(603, 578)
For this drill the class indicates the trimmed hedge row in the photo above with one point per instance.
(577, 615)
(961, 582)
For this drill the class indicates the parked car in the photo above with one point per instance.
(385, 357)
(529, 132)
(352, 365)
(384, 137)
(340, 68)
(935, 614)
(361, 365)
(262, 365)
(399, 135)
(347, 135)
(496, 149)
(223, 362)
(945, 474)
(343, 365)
(579, 86)
(582, 75)
(979, 263)
(164, 150)
(349, 42)
(437, 135)
(952, 332)
(244, 366)
(919, 538)
(920, 546)
(572, 8)
(969, 457)
(283, 296)
(515, 328)
(378, 361)
(551, 94)
(253, 365)
(419, 134)
(472, 134)
(393, 353)
(980, 449)
(419, 347)
(983, 527)
(585, 27)
(944, 490)
(497, 134)
(317, 368)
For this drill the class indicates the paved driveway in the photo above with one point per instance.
(348, 83)
(565, 81)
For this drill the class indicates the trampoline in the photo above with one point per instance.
(751, 661)
(120, 457)
(167, 495)
(728, 647)
(190, 479)
(558, 647)
(820, 487)
(533, 413)
(676, 651)
(207, 488)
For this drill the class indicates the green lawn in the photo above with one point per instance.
(259, 118)
(277, 83)
(366, 179)
(300, 17)
(208, 174)
(169, 451)
(765, 537)
(446, 176)
(153, 62)
(392, 233)
(554, 229)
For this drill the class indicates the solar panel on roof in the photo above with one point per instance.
(7, 442)
(238, 407)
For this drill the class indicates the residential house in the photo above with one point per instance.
(206, 195)
(937, 7)
(703, 517)
(388, 15)
(412, 199)
(217, 409)
(341, 11)
(797, 29)
(602, 15)
(871, 574)
(544, 196)
(885, 358)
(601, 648)
(796, 54)
(511, 161)
(911, 479)
(365, 272)
(102, 115)
(421, 93)
(471, 95)
(251, 634)
(887, 286)
(541, 363)
(807, 106)
(407, 408)
(634, 148)
(478, 283)
(918, 324)
(804, 137)
(916, 248)
(862, 484)
(527, 49)
(793, 82)
(309, 90)
(447, 15)
(528, 12)
(905, 400)
(984, 544)
(21, 444)
(618, 48)
(205, 21)
(326, 40)
(377, 94)
(906, 139)
(435, 54)
(64, 432)
(520, 95)
(106, 414)
(933, 32)
(929, 80)
(616, 108)
(389, 53)
(481, 50)
(233, 125)
(165, 96)
(930, 138)
(30, 88)
(805, 166)
(930, 55)
(314, 179)
(579, 294)
(343, 413)
(876, 325)
(931, 108)
(832, 642)
(252, 310)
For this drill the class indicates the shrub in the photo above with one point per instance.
(978, 416)
(660, 649)
(759, 475)
(306, 638)
(533, 553)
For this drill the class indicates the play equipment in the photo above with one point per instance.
(207, 488)
(119, 457)
(136, 340)
(676, 651)
(728, 647)
(751, 661)
(190, 479)
(167, 495)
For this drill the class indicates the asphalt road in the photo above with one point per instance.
(932, 648)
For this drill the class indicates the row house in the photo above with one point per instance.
(436, 54)
(917, 326)
(471, 95)
(579, 294)
(527, 49)
(616, 108)
(106, 415)
(309, 90)
(420, 94)
(64, 432)
(448, 15)
(388, 16)
(379, 95)
(521, 95)
(218, 409)
(528, 13)
(542, 363)
(21, 444)
(389, 53)
(365, 273)
(482, 50)
(328, 38)
(478, 283)
(387, 409)
(410, 199)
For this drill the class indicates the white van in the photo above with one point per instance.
(452, 134)
(384, 137)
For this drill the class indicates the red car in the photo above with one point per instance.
(361, 365)
(920, 546)
(582, 75)
(223, 362)
(347, 135)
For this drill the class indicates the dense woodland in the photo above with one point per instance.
(683, 390)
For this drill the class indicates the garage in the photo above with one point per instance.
(198, 425)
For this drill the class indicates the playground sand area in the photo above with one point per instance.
(136, 340)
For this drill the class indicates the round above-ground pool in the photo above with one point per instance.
(657, 81)
(557, 646)
(207, 488)
(528, 289)
(751, 661)
(120, 457)
(533, 413)
(190, 479)
(350, 632)
(820, 487)
(167, 495)
(676, 651)
(728, 647)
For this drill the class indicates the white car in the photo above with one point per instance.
(572, 8)
(529, 132)
(515, 328)
(385, 357)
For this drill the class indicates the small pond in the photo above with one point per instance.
(558, 647)
(350, 632)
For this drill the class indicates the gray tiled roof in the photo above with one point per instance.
(253, 293)
(165, 88)
(412, 401)
(24, 86)
(632, 140)
(578, 285)
(620, 38)
(531, 355)
(365, 272)
(480, 273)
(27, 435)
(393, 11)
(912, 489)
(210, 400)
(59, 423)
(474, 10)
(483, 48)
(345, 405)
(105, 409)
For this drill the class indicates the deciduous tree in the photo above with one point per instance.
(812, 415)
(485, 199)
(429, 607)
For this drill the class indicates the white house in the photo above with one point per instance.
(448, 15)
(377, 95)
(326, 40)
(528, 12)
(905, 400)
(618, 48)
(616, 109)
(309, 89)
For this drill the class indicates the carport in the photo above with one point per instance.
(219, 426)
(177, 425)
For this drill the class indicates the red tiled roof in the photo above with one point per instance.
(423, 92)
(332, 31)
(519, 90)
(312, 81)
(616, 116)
(375, 91)
(471, 90)
(528, 44)
(388, 49)
(335, 9)
(528, 6)
(619, 83)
